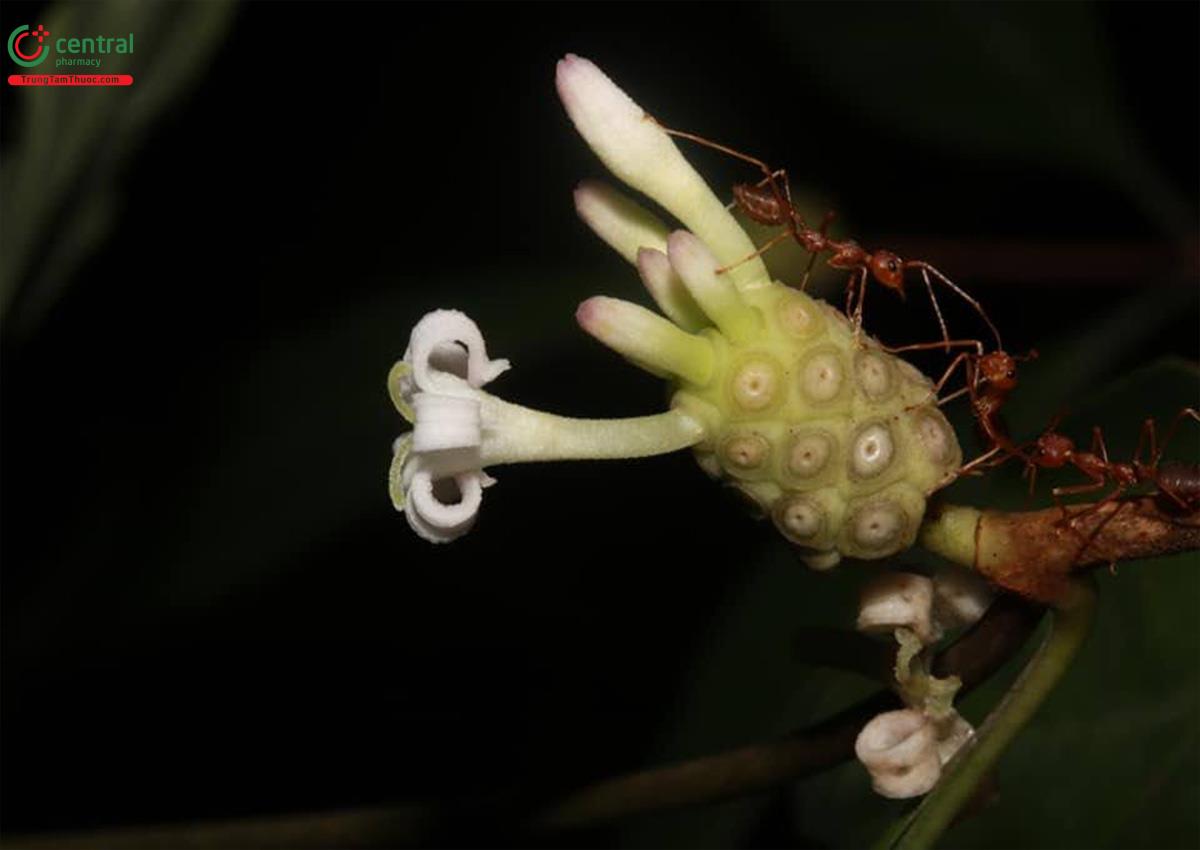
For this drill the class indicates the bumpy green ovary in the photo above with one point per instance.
(838, 442)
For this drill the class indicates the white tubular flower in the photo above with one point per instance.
(898, 601)
(899, 749)
(437, 476)
(637, 150)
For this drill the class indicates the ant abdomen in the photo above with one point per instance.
(1181, 480)
(760, 204)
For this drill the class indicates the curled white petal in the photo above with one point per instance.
(447, 348)
(441, 521)
(637, 150)
(899, 750)
(445, 422)
(898, 600)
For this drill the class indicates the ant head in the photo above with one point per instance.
(888, 269)
(1053, 449)
(999, 369)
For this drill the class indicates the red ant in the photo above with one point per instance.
(768, 204)
(1178, 482)
(990, 379)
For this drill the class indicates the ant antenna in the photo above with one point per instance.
(923, 266)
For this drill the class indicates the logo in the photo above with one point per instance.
(28, 54)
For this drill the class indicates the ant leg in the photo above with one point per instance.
(982, 461)
(858, 310)
(1156, 452)
(771, 243)
(769, 176)
(1185, 413)
(937, 388)
(1095, 532)
(1098, 443)
(929, 346)
(717, 146)
(777, 174)
(1031, 469)
(850, 292)
(1077, 490)
(962, 294)
(1147, 433)
(812, 261)
(936, 309)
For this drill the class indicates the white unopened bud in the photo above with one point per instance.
(898, 601)
(899, 749)
(960, 597)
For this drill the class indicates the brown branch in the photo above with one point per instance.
(1033, 553)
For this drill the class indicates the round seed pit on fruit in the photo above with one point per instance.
(756, 384)
(879, 525)
(809, 453)
(799, 316)
(822, 376)
(800, 518)
(871, 450)
(935, 436)
(874, 375)
(745, 451)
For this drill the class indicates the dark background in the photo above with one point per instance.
(210, 608)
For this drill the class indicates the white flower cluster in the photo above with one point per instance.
(905, 750)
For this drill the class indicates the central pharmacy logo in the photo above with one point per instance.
(28, 54)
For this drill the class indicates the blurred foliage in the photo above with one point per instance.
(59, 196)
(1030, 81)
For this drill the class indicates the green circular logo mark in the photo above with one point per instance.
(23, 50)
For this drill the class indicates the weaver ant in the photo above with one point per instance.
(769, 202)
(1179, 482)
(990, 379)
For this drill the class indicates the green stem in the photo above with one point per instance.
(1070, 624)
(516, 434)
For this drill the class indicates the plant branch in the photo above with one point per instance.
(1034, 553)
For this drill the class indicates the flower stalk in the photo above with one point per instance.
(1035, 553)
